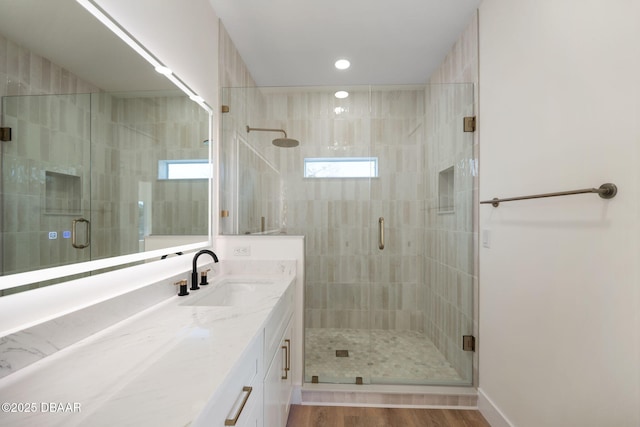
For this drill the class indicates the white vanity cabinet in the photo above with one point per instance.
(278, 384)
(238, 402)
(257, 391)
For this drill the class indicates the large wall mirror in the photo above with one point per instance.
(107, 162)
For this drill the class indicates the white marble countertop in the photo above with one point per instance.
(157, 368)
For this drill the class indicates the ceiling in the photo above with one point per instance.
(296, 42)
(69, 36)
(283, 42)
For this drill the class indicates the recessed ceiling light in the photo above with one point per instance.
(342, 64)
(341, 94)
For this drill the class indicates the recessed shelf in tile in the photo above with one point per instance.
(63, 193)
(445, 190)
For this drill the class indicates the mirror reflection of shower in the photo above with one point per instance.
(278, 142)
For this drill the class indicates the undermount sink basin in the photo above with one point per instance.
(228, 293)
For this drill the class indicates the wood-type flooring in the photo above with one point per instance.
(344, 416)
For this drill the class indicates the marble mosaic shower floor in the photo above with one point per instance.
(388, 357)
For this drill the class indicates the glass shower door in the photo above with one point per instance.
(422, 269)
(45, 181)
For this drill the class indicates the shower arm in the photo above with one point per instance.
(249, 129)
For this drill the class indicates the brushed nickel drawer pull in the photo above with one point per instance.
(234, 419)
(288, 341)
(286, 358)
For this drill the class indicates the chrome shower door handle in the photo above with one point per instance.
(381, 233)
(74, 233)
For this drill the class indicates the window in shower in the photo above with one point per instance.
(184, 169)
(341, 167)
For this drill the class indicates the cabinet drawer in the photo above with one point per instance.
(239, 393)
(277, 323)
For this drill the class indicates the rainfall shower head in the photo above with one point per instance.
(278, 142)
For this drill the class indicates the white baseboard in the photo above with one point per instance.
(296, 395)
(490, 411)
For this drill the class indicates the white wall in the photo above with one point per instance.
(559, 285)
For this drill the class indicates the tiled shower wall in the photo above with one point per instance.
(24, 73)
(397, 138)
(333, 214)
(44, 175)
(346, 287)
(415, 133)
(130, 136)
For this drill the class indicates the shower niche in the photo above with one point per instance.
(445, 191)
(63, 194)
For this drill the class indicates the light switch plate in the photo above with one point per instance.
(486, 238)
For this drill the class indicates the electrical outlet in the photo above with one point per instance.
(242, 251)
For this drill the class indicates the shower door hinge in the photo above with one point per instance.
(468, 343)
(5, 134)
(470, 124)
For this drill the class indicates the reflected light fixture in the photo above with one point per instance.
(110, 23)
(166, 71)
(341, 94)
(342, 64)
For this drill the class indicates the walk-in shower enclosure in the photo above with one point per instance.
(382, 187)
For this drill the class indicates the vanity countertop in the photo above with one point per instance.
(157, 368)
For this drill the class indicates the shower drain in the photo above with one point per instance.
(342, 353)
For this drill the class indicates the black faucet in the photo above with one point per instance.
(194, 272)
